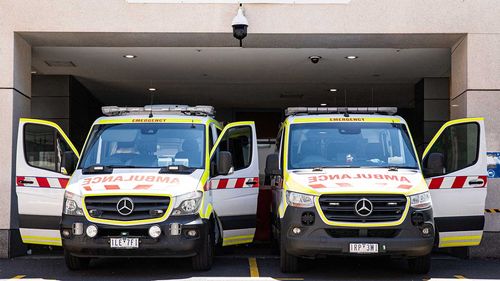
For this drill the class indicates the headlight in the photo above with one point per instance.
(72, 204)
(421, 200)
(299, 200)
(187, 204)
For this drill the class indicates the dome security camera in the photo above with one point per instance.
(315, 59)
(240, 25)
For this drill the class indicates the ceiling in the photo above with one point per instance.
(247, 77)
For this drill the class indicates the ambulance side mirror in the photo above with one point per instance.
(434, 166)
(225, 163)
(273, 165)
(68, 164)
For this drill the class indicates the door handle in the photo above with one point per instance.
(476, 182)
(25, 182)
(251, 182)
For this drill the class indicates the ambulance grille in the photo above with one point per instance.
(341, 208)
(144, 207)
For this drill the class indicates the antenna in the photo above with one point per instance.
(151, 109)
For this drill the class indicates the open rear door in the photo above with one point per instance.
(45, 160)
(235, 195)
(454, 165)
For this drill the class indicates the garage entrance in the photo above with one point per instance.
(70, 83)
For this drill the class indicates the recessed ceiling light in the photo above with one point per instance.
(333, 90)
(152, 89)
(454, 105)
(351, 57)
(33, 72)
(323, 104)
(130, 56)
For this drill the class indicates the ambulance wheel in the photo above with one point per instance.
(288, 263)
(75, 263)
(420, 265)
(204, 259)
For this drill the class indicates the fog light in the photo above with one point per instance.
(192, 233)
(78, 228)
(296, 230)
(91, 231)
(154, 231)
(66, 233)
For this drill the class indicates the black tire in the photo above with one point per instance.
(204, 259)
(288, 263)
(420, 265)
(75, 263)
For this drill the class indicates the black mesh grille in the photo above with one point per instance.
(145, 207)
(354, 233)
(342, 207)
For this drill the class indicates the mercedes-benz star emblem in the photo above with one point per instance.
(363, 207)
(125, 206)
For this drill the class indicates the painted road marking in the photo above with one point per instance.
(18, 277)
(254, 270)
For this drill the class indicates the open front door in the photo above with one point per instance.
(235, 193)
(45, 160)
(454, 166)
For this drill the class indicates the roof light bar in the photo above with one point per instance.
(340, 110)
(202, 110)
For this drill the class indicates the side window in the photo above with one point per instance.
(238, 141)
(459, 146)
(40, 147)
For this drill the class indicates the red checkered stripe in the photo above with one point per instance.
(115, 187)
(345, 184)
(456, 182)
(44, 182)
(231, 183)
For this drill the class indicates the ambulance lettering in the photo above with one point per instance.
(314, 179)
(135, 178)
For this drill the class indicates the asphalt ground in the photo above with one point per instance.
(245, 263)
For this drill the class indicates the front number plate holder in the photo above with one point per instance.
(124, 243)
(363, 248)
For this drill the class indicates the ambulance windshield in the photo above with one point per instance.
(350, 144)
(134, 145)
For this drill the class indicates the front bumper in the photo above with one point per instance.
(321, 239)
(167, 245)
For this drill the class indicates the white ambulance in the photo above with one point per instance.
(162, 180)
(347, 181)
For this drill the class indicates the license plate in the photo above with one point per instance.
(363, 248)
(124, 243)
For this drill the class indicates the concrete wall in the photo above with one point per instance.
(432, 105)
(15, 95)
(475, 92)
(64, 100)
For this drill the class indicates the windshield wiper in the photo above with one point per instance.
(105, 169)
(176, 169)
(319, 169)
